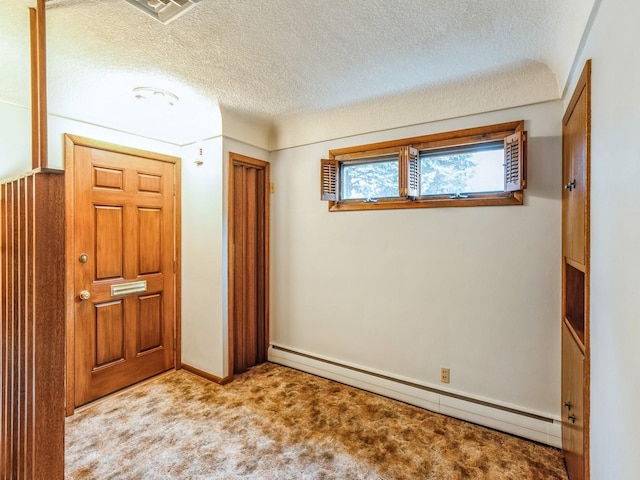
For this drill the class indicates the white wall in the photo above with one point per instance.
(245, 130)
(407, 291)
(612, 44)
(497, 91)
(58, 126)
(15, 140)
(202, 247)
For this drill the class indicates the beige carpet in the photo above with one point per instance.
(277, 423)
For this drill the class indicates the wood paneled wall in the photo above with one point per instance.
(32, 326)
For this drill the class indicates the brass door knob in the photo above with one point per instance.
(85, 295)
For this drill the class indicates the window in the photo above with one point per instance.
(456, 171)
(375, 178)
(479, 166)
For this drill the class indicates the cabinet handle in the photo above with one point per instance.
(572, 417)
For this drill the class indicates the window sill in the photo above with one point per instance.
(514, 198)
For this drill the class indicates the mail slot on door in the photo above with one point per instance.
(128, 288)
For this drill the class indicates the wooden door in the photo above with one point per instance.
(124, 277)
(248, 262)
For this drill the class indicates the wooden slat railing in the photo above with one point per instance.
(32, 326)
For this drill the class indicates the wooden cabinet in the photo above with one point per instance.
(576, 134)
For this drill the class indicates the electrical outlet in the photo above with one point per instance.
(444, 375)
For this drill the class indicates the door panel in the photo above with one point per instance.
(109, 242)
(574, 180)
(149, 183)
(250, 272)
(573, 406)
(150, 242)
(149, 322)
(578, 160)
(108, 178)
(262, 227)
(124, 223)
(109, 333)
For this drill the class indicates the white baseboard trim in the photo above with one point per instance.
(509, 419)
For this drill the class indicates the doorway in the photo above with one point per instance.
(122, 264)
(248, 262)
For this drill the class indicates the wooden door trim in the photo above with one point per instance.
(236, 158)
(70, 142)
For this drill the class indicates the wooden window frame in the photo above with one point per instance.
(408, 150)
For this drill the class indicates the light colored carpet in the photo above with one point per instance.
(277, 423)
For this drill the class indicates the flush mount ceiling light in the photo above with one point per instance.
(164, 10)
(156, 95)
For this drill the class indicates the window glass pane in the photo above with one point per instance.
(464, 170)
(375, 179)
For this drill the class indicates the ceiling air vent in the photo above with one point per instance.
(164, 10)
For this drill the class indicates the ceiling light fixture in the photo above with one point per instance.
(156, 95)
(164, 11)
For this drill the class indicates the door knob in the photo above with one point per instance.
(85, 295)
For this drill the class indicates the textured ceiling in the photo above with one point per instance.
(278, 58)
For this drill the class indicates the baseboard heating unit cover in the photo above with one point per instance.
(505, 418)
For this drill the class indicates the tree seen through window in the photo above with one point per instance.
(472, 172)
(377, 179)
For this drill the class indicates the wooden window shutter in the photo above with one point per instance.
(329, 180)
(515, 162)
(413, 172)
(409, 172)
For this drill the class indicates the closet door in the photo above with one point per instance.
(248, 262)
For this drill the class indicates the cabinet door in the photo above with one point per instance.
(574, 178)
(573, 406)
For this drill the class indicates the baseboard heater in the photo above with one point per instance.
(508, 419)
